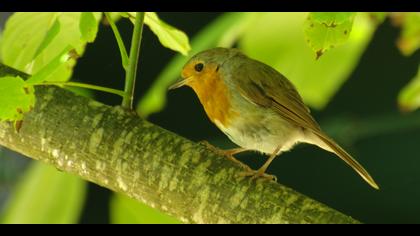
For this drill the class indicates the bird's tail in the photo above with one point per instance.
(331, 146)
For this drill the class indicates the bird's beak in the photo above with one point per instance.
(179, 83)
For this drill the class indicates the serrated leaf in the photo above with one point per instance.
(168, 35)
(25, 33)
(409, 97)
(325, 30)
(16, 98)
(125, 210)
(88, 26)
(45, 195)
(281, 44)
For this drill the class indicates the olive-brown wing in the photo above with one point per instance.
(266, 87)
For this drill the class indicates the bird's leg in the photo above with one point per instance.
(227, 153)
(234, 151)
(261, 171)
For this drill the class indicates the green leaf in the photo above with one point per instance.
(210, 36)
(88, 26)
(231, 35)
(125, 210)
(281, 44)
(325, 30)
(45, 74)
(49, 36)
(409, 40)
(45, 195)
(331, 19)
(168, 35)
(409, 97)
(16, 98)
(32, 34)
(115, 16)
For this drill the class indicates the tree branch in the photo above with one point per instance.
(122, 152)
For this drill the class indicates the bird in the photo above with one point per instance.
(256, 106)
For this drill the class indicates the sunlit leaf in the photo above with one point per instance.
(115, 16)
(16, 98)
(210, 36)
(45, 195)
(45, 74)
(125, 210)
(281, 44)
(231, 35)
(49, 36)
(88, 26)
(168, 35)
(409, 97)
(25, 34)
(325, 30)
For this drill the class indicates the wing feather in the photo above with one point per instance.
(265, 86)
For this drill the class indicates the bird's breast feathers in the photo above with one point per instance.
(215, 97)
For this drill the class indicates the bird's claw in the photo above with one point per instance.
(226, 153)
(215, 149)
(258, 174)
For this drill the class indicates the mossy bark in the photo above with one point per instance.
(122, 152)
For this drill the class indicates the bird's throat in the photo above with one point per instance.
(214, 95)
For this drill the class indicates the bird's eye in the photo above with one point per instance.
(199, 67)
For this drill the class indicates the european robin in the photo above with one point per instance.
(256, 107)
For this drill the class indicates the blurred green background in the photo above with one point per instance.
(352, 89)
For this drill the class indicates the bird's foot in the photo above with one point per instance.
(227, 153)
(258, 174)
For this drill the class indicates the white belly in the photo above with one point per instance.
(264, 133)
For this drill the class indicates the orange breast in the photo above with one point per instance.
(214, 96)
